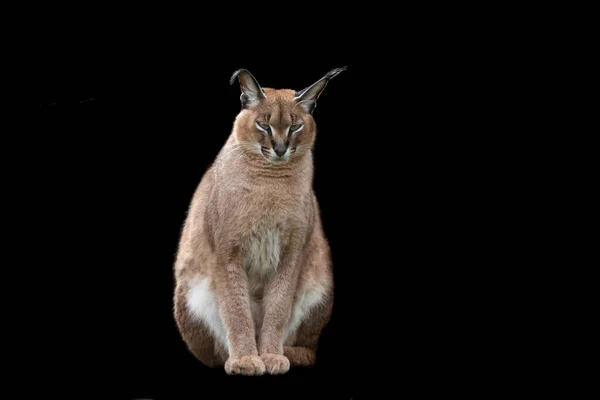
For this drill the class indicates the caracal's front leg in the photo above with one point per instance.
(277, 305)
(234, 308)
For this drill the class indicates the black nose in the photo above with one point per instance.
(280, 149)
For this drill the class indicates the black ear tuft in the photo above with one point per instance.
(335, 72)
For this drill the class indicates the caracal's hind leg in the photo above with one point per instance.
(194, 309)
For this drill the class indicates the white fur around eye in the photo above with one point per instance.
(261, 129)
(296, 131)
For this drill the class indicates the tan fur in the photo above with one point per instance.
(253, 235)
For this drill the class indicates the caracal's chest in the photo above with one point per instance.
(264, 220)
(265, 241)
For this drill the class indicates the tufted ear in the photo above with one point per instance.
(252, 93)
(307, 98)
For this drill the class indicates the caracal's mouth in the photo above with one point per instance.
(269, 155)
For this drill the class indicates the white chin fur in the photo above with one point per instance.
(279, 160)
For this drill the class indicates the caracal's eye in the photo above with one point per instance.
(264, 127)
(294, 128)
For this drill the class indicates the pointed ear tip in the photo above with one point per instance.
(334, 72)
(235, 75)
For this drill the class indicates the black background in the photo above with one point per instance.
(400, 175)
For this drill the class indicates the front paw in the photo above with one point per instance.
(275, 363)
(247, 365)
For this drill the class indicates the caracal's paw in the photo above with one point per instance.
(247, 365)
(275, 363)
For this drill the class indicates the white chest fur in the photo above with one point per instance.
(263, 250)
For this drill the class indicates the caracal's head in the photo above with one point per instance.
(277, 124)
